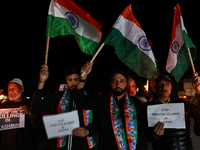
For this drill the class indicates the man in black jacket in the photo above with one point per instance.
(173, 139)
(121, 117)
(18, 138)
(63, 102)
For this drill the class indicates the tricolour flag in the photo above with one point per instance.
(66, 18)
(178, 59)
(131, 45)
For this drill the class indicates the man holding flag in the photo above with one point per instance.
(66, 18)
(163, 138)
(122, 122)
(63, 102)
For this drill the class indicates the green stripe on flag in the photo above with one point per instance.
(131, 55)
(84, 43)
(183, 61)
(189, 44)
(60, 27)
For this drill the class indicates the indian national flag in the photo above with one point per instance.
(131, 45)
(66, 18)
(178, 59)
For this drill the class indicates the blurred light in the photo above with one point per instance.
(147, 85)
(182, 96)
(2, 97)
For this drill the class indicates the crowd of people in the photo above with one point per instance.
(119, 118)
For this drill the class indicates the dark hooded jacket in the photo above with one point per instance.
(177, 139)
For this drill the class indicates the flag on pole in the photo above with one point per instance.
(178, 60)
(131, 45)
(66, 18)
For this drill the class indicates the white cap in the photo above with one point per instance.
(16, 80)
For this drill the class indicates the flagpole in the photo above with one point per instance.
(47, 50)
(191, 61)
(97, 52)
(95, 55)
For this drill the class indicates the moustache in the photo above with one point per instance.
(73, 86)
(117, 89)
(163, 91)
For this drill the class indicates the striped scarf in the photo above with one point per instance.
(87, 117)
(130, 123)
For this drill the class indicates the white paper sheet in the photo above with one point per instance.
(61, 124)
(172, 115)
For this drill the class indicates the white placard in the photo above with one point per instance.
(61, 124)
(172, 115)
(11, 118)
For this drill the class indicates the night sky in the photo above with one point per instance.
(23, 39)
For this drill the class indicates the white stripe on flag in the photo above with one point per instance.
(133, 34)
(84, 28)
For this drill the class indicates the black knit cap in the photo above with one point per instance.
(165, 76)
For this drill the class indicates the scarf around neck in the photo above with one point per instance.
(126, 140)
(63, 107)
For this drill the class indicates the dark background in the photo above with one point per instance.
(23, 39)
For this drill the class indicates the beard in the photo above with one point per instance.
(117, 91)
(12, 97)
(73, 87)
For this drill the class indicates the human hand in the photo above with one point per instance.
(159, 128)
(86, 69)
(81, 132)
(196, 83)
(44, 73)
(25, 110)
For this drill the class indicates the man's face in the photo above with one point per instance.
(163, 90)
(118, 84)
(131, 87)
(73, 81)
(15, 91)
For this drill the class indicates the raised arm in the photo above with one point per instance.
(43, 75)
(38, 104)
(85, 71)
(86, 102)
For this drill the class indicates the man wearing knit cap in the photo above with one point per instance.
(15, 90)
(19, 138)
(171, 138)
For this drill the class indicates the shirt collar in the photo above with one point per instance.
(164, 102)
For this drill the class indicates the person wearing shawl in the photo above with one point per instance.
(122, 119)
(62, 102)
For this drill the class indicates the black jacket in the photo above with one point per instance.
(101, 105)
(50, 106)
(20, 138)
(176, 139)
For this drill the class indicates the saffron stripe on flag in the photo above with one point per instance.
(71, 6)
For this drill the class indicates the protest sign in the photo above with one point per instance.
(11, 118)
(172, 115)
(61, 124)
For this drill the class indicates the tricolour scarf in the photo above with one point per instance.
(87, 117)
(130, 123)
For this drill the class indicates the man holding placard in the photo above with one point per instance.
(169, 117)
(16, 130)
(63, 102)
